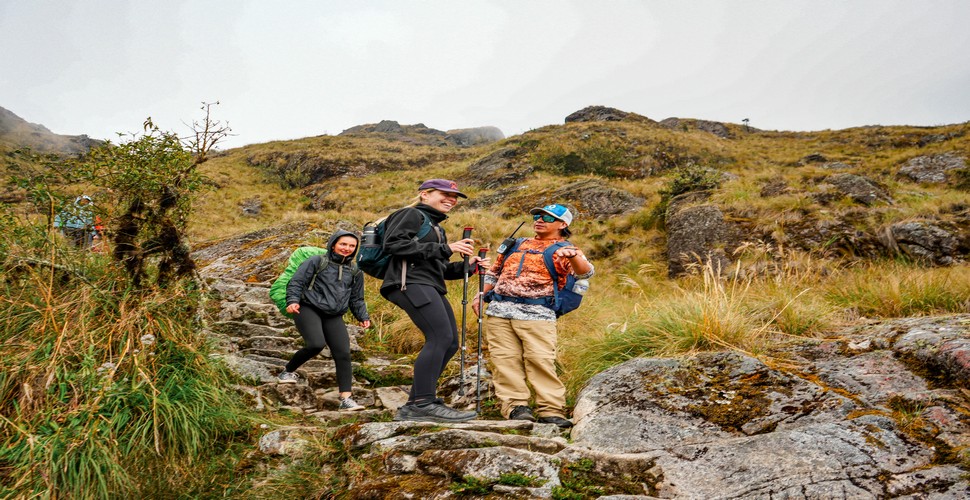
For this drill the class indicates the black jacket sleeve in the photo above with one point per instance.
(301, 279)
(357, 305)
(399, 232)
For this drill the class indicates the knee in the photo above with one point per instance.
(340, 355)
(314, 347)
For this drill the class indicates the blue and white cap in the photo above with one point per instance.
(558, 211)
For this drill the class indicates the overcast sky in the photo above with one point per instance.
(290, 69)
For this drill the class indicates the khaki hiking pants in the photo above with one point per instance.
(524, 350)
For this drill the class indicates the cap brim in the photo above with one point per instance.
(458, 193)
(536, 211)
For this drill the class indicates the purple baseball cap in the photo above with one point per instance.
(443, 185)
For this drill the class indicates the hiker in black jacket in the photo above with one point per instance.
(318, 295)
(415, 282)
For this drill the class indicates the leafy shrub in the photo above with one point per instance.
(692, 177)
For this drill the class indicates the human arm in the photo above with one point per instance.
(358, 307)
(300, 280)
(578, 263)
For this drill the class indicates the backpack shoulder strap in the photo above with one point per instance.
(425, 226)
(551, 266)
(509, 251)
(321, 267)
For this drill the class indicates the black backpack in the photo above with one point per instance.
(371, 258)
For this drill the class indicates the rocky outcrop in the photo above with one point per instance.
(860, 189)
(600, 114)
(687, 124)
(931, 169)
(586, 198)
(500, 168)
(852, 418)
(424, 135)
(16, 132)
(696, 235)
(924, 241)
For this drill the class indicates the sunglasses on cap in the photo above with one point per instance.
(544, 217)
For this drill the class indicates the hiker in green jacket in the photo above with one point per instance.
(318, 295)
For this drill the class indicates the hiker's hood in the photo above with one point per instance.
(77, 201)
(334, 256)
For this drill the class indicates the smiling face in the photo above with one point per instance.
(345, 245)
(439, 200)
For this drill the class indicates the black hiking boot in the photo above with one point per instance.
(559, 421)
(522, 413)
(434, 412)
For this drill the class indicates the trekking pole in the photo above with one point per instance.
(467, 233)
(481, 311)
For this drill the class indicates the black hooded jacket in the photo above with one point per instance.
(427, 259)
(336, 288)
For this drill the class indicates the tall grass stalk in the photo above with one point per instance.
(899, 289)
(106, 391)
(706, 313)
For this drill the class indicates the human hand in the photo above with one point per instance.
(293, 308)
(365, 324)
(569, 252)
(464, 247)
(483, 263)
(477, 304)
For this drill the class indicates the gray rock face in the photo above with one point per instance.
(922, 240)
(728, 426)
(595, 199)
(502, 167)
(696, 234)
(931, 169)
(860, 189)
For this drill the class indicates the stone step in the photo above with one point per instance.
(253, 312)
(229, 291)
(272, 343)
(242, 329)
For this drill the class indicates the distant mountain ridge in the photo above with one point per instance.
(424, 135)
(15, 132)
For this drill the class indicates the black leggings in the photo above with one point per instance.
(318, 331)
(436, 320)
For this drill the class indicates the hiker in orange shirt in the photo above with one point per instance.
(521, 322)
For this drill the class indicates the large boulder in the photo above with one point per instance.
(499, 168)
(860, 189)
(931, 169)
(922, 240)
(855, 419)
(697, 235)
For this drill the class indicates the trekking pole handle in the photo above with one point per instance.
(467, 233)
(482, 252)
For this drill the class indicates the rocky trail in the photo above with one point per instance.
(880, 411)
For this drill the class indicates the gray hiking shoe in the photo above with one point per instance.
(288, 378)
(348, 404)
(434, 412)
